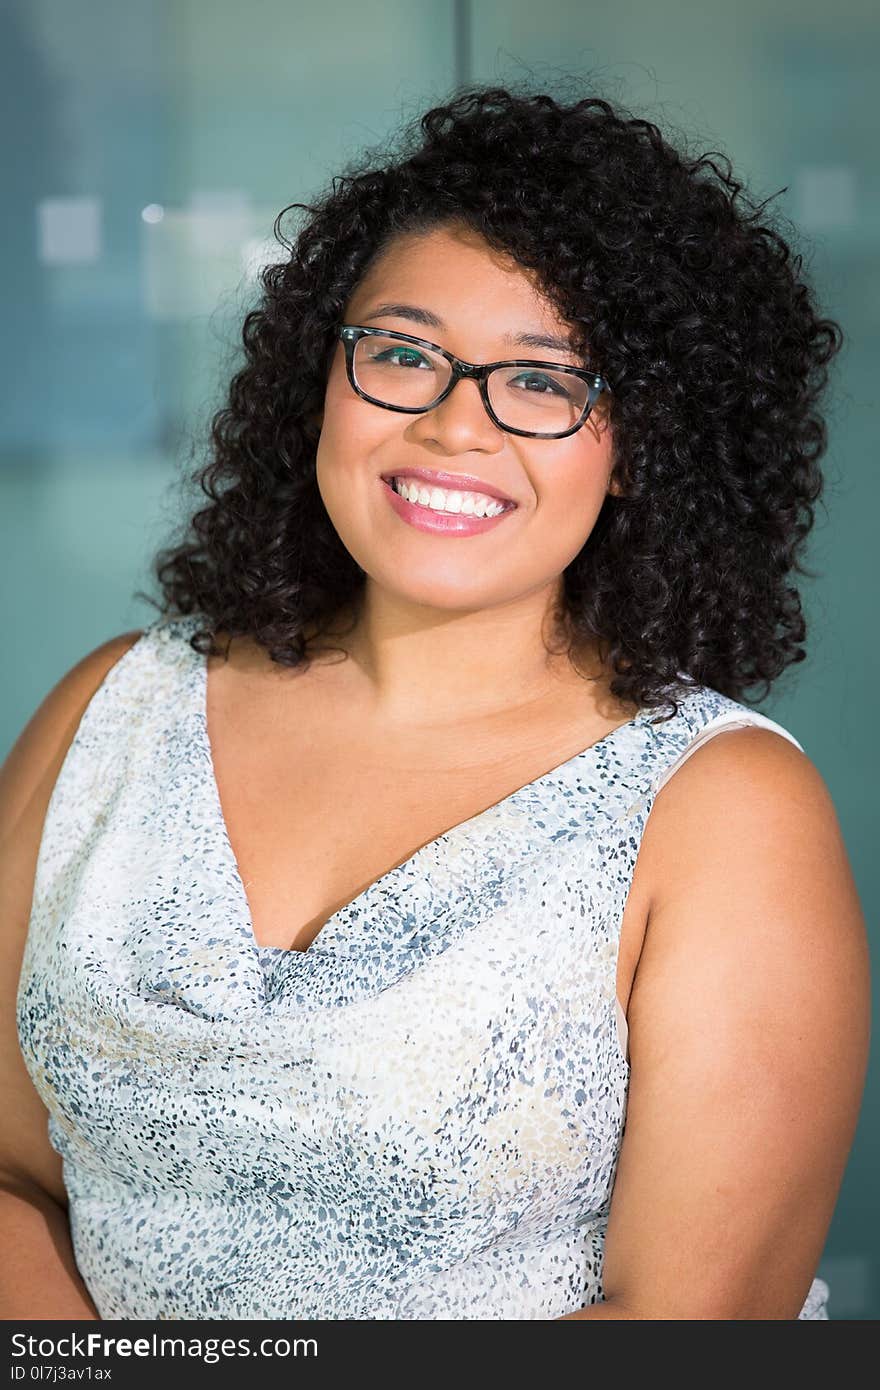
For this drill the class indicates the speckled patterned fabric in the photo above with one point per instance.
(417, 1117)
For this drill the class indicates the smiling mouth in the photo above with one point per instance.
(468, 520)
(448, 501)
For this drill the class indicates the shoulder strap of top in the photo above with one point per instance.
(141, 687)
(703, 712)
(143, 679)
(114, 745)
(738, 716)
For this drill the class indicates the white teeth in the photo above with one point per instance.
(439, 500)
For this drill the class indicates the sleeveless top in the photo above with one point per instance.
(419, 1116)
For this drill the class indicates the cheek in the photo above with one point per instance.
(350, 434)
(575, 485)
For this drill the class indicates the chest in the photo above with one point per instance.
(312, 827)
(318, 804)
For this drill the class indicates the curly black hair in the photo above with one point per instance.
(692, 307)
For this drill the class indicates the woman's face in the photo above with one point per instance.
(482, 301)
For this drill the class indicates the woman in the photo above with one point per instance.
(357, 881)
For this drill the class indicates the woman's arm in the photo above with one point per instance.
(39, 1275)
(39, 1278)
(749, 1025)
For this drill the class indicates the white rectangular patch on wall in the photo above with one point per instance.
(69, 231)
(191, 257)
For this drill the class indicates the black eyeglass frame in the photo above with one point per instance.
(351, 334)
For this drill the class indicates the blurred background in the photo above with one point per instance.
(148, 148)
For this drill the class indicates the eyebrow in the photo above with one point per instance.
(431, 320)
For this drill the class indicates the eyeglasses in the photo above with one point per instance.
(542, 400)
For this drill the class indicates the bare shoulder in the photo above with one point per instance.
(27, 778)
(749, 1023)
(748, 857)
(745, 790)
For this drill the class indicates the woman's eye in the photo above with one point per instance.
(539, 384)
(402, 357)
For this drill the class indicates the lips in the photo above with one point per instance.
(441, 523)
(450, 482)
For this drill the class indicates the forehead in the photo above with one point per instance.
(462, 281)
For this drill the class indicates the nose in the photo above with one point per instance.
(461, 420)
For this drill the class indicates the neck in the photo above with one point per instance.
(441, 667)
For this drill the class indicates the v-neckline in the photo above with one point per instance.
(322, 941)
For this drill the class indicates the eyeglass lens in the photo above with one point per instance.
(537, 399)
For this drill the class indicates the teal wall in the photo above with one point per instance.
(147, 148)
